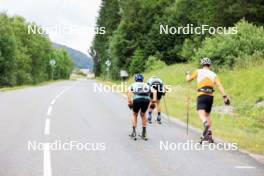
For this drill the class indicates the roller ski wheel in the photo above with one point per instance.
(143, 137)
(133, 136)
(158, 122)
(207, 138)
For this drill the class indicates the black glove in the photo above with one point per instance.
(130, 106)
(226, 100)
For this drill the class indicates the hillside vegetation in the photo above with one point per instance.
(245, 126)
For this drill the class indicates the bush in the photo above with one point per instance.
(228, 49)
(137, 64)
(154, 63)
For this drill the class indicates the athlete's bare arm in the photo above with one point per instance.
(129, 96)
(220, 86)
(190, 77)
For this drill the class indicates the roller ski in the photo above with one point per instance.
(143, 137)
(207, 134)
(207, 138)
(133, 135)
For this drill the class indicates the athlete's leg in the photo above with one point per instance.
(150, 110)
(144, 107)
(158, 106)
(159, 111)
(144, 119)
(134, 120)
(208, 119)
(144, 124)
(210, 134)
(203, 117)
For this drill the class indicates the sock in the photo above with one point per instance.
(206, 125)
(144, 129)
(134, 129)
(158, 113)
(150, 112)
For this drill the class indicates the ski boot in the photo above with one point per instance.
(149, 118)
(210, 137)
(159, 119)
(144, 134)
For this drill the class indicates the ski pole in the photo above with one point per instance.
(187, 110)
(166, 109)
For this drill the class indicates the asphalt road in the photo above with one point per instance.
(71, 111)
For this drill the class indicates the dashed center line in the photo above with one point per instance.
(47, 127)
(53, 101)
(49, 110)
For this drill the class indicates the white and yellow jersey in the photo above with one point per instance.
(205, 78)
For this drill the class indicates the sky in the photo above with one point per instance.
(76, 17)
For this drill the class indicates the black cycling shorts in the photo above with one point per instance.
(159, 95)
(205, 102)
(140, 104)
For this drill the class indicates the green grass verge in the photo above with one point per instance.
(245, 86)
(27, 86)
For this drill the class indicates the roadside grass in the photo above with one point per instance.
(76, 77)
(244, 86)
(27, 86)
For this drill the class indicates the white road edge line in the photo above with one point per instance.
(47, 127)
(46, 161)
(49, 110)
(244, 167)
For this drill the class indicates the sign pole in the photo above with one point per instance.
(52, 63)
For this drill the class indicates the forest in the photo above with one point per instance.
(24, 57)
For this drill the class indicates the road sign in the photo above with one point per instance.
(52, 62)
(123, 74)
(108, 63)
